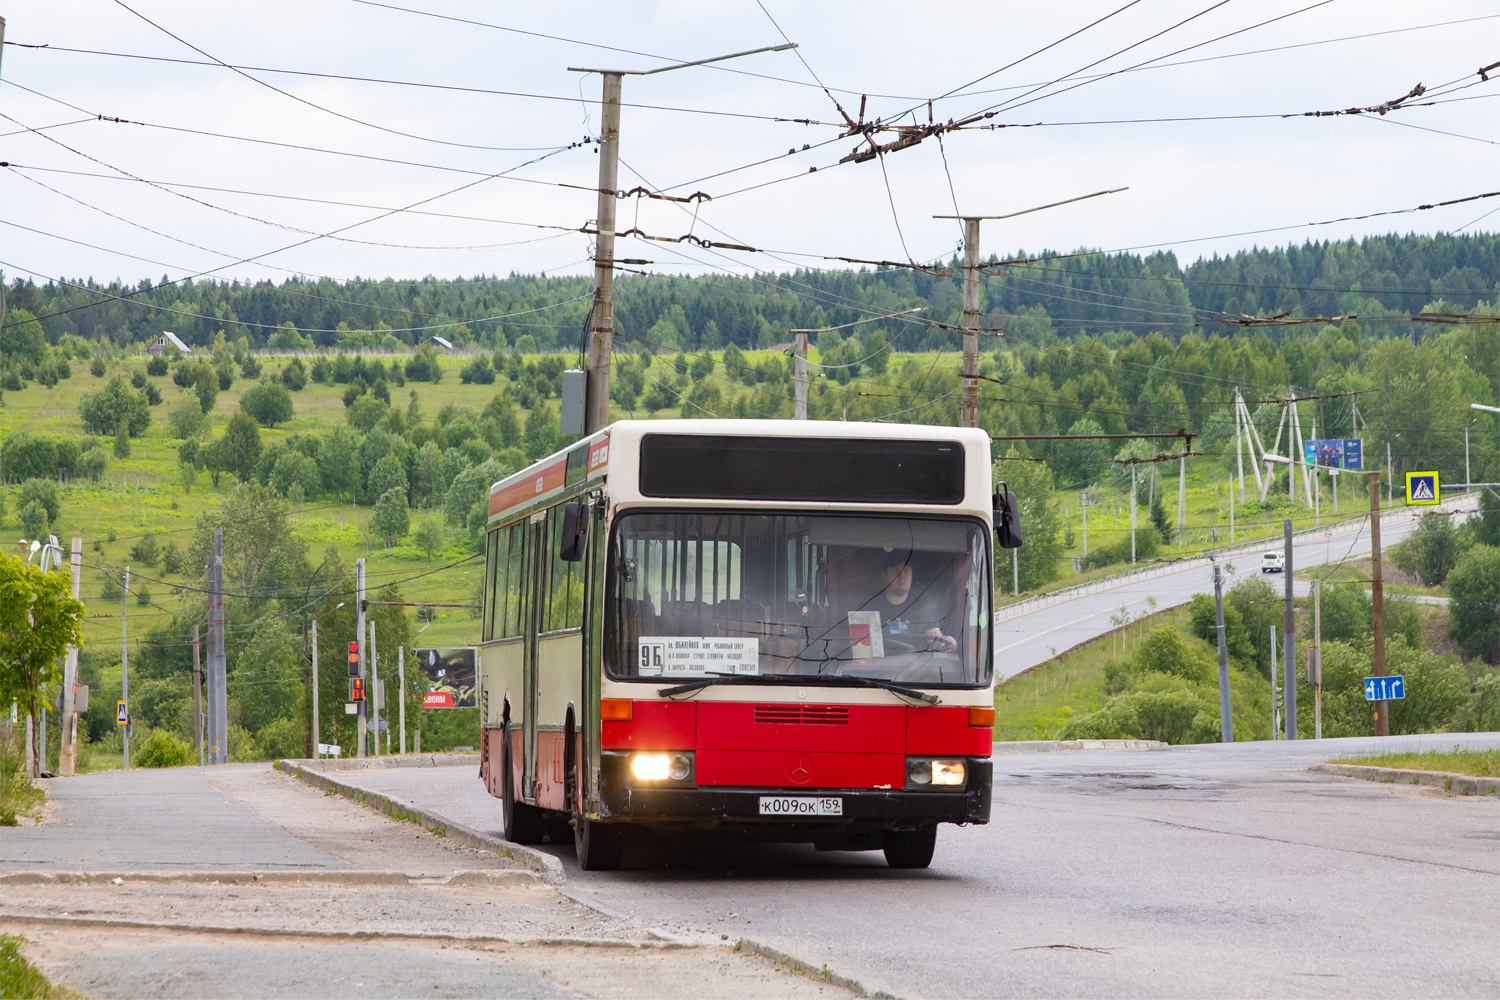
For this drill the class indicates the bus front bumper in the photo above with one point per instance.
(860, 808)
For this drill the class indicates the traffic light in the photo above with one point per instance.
(353, 659)
(356, 689)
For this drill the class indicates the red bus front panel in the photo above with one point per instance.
(943, 730)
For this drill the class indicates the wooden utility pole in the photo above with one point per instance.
(1317, 659)
(218, 683)
(1377, 606)
(602, 316)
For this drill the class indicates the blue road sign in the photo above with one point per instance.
(1388, 688)
(122, 714)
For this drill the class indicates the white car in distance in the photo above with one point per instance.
(1273, 562)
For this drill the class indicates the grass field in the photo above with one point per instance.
(1484, 763)
(1036, 704)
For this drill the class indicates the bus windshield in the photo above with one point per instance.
(706, 594)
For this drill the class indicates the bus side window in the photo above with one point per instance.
(491, 559)
(515, 582)
(563, 588)
(495, 620)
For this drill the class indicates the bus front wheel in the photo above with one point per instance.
(909, 848)
(524, 824)
(600, 846)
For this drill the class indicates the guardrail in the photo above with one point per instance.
(1342, 526)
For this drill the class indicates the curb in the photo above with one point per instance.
(461, 878)
(123, 923)
(1046, 746)
(1457, 784)
(825, 974)
(548, 868)
(382, 763)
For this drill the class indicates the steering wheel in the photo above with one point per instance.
(898, 646)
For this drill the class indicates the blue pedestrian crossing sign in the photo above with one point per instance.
(1388, 688)
(1422, 488)
(122, 714)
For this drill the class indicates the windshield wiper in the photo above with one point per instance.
(811, 681)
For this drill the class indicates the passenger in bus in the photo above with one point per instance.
(912, 617)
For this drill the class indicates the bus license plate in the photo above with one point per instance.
(801, 805)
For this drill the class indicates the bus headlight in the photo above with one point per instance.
(674, 768)
(925, 772)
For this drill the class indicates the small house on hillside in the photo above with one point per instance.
(167, 337)
(446, 345)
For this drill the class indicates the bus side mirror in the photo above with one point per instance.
(1007, 518)
(575, 532)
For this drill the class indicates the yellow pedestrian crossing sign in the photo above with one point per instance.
(1422, 488)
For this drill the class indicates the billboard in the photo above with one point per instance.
(449, 676)
(1334, 453)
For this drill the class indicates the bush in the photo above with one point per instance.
(205, 383)
(423, 366)
(294, 375)
(45, 494)
(1474, 602)
(478, 371)
(153, 395)
(391, 521)
(281, 739)
(156, 366)
(162, 749)
(146, 551)
(171, 557)
(268, 403)
(138, 379)
(33, 520)
(250, 367)
(103, 409)
(96, 368)
(1432, 550)
(1481, 712)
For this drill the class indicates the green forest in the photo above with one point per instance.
(315, 422)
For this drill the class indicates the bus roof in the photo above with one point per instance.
(589, 458)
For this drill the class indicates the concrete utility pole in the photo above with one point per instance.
(125, 667)
(359, 627)
(1289, 636)
(799, 376)
(1317, 659)
(602, 315)
(373, 694)
(218, 685)
(1132, 515)
(401, 684)
(968, 407)
(67, 754)
(1226, 719)
(1377, 606)
(197, 700)
(317, 733)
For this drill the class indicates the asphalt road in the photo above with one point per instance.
(1192, 871)
(1026, 640)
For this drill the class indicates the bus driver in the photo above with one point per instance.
(904, 615)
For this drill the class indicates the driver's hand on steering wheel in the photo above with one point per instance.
(939, 643)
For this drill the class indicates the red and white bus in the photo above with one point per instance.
(745, 628)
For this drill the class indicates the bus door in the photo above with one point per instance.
(536, 561)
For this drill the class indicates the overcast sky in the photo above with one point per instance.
(1191, 183)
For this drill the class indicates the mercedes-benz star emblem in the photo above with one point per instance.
(800, 769)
